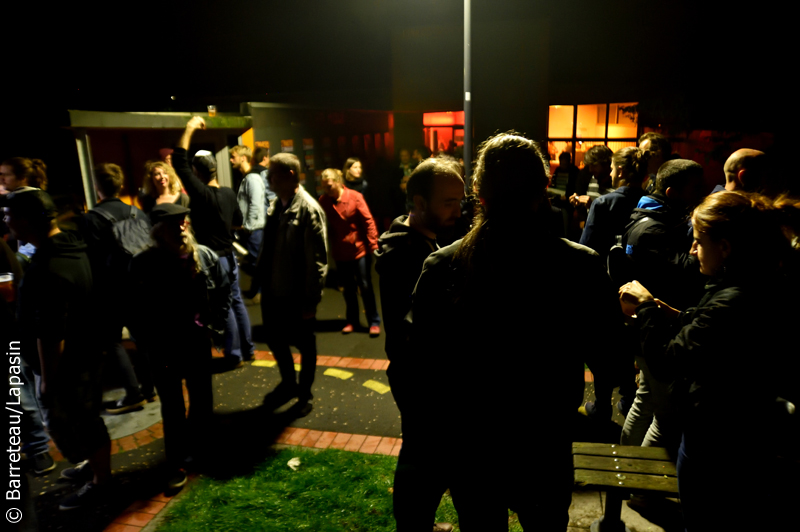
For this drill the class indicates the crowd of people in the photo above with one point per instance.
(686, 286)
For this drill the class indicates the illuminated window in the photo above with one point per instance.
(576, 128)
(560, 123)
(443, 131)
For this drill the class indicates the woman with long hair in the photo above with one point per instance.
(19, 172)
(722, 356)
(353, 174)
(161, 185)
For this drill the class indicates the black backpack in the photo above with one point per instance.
(132, 235)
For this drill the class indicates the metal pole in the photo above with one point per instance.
(87, 168)
(468, 93)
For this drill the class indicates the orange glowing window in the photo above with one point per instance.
(448, 118)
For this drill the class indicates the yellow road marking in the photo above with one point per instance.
(377, 386)
(338, 373)
(265, 363)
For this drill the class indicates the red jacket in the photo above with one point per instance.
(352, 229)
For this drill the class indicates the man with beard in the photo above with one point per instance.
(435, 188)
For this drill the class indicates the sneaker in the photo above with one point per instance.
(89, 494)
(177, 480)
(374, 330)
(80, 473)
(589, 409)
(347, 329)
(127, 404)
(42, 463)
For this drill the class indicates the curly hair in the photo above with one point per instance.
(634, 161)
(510, 173)
(148, 188)
(32, 171)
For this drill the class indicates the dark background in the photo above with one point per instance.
(693, 64)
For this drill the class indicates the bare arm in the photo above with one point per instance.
(195, 123)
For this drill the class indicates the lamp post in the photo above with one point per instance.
(468, 93)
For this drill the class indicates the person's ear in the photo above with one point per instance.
(420, 205)
(670, 193)
(725, 248)
(740, 177)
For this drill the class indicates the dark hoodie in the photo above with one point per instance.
(401, 252)
(657, 242)
(55, 300)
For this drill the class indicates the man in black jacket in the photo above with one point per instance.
(436, 189)
(658, 238)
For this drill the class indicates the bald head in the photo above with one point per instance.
(745, 170)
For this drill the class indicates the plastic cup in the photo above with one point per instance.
(212, 110)
(7, 286)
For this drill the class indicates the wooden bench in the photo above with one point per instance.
(620, 470)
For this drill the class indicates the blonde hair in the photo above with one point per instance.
(332, 173)
(148, 188)
(242, 150)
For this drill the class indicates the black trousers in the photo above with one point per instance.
(285, 327)
(183, 436)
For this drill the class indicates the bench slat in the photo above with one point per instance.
(624, 465)
(620, 451)
(632, 481)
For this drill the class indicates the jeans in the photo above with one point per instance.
(251, 241)
(34, 438)
(238, 338)
(651, 421)
(357, 275)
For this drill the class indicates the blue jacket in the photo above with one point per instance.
(608, 217)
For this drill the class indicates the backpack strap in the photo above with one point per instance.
(105, 215)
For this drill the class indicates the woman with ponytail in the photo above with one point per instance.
(610, 213)
(19, 172)
(724, 357)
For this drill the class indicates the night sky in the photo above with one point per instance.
(137, 56)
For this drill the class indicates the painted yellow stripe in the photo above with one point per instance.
(338, 373)
(265, 363)
(377, 386)
(297, 367)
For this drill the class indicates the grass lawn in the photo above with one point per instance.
(331, 491)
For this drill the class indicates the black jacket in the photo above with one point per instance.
(398, 261)
(729, 344)
(657, 243)
(56, 302)
(503, 341)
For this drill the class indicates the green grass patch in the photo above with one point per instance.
(331, 491)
